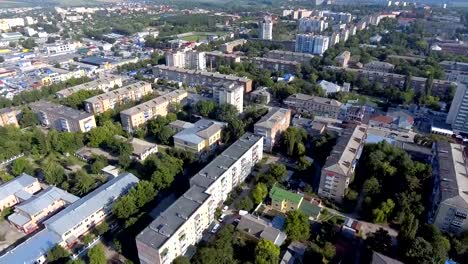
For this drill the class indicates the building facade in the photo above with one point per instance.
(182, 224)
(314, 44)
(194, 78)
(312, 24)
(129, 93)
(62, 118)
(140, 114)
(272, 125)
(229, 93)
(266, 28)
(273, 64)
(337, 173)
(449, 197)
(302, 58)
(228, 47)
(458, 113)
(320, 106)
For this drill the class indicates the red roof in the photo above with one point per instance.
(382, 119)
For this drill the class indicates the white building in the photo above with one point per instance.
(458, 113)
(182, 224)
(60, 48)
(329, 87)
(175, 59)
(266, 28)
(229, 93)
(190, 59)
(312, 24)
(315, 44)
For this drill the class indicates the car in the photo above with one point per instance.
(221, 218)
(215, 228)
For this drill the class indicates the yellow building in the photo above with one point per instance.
(202, 136)
(8, 117)
(103, 102)
(138, 115)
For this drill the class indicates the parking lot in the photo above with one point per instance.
(8, 234)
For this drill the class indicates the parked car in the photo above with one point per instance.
(215, 228)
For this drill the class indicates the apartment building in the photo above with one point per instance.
(228, 47)
(320, 106)
(182, 224)
(203, 136)
(59, 48)
(72, 222)
(450, 194)
(129, 93)
(139, 114)
(339, 168)
(458, 113)
(194, 78)
(309, 43)
(343, 59)
(440, 88)
(189, 59)
(312, 25)
(334, 39)
(216, 58)
(229, 93)
(29, 214)
(273, 64)
(455, 71)
(272, 125)
(302, 58)
(62, 118)
(266, 28)
(17, 190)
(104, 84)
(8, 117)
(379, 66)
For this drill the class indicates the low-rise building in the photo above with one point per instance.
(314, 105)
(261, 95)
(8, 117)
(272, 125)
(338, 170)
(29, 214)
(379, 66)
(129, 93)
(59, 48)
(330, 88)
(62, 118)
(455, 71)
(194, 78)
(65, 227)
(449, 197)
(180, 125)
(228, 47)
(201, 137)
(140, 114)
(18, 190)
(104, 84)
(302, 58)
(284, 201)
(182, 224)
(343, 59)
(142, 148)
(259, 228)
(393, 120)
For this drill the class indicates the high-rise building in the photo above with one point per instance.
(229, 93)
(315, 44)
(195, 60)
(266, 28)
(175, 59)
(458, 113)
(312, 24)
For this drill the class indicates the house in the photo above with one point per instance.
(18, 190)
(260, 229)
(142, 149)
(294, 253)
(33, 211)
(393, 120)
(203, 136)
(285, 201)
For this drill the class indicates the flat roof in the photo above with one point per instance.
(153, 103)
(118, 92)
(107, 79)
(101, 197)
(44, 199)
(202, 73)
(275, 115)
(16, 185)
(64, 111)
(201, 130)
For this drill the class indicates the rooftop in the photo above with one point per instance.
(316, 99)
(153, 103)
(279, 194)
(93, 85)
(16, 186)
(273, 116)
(203, 73)
(141, 146)
(347, 149)
(261, 229)
(201, 130)
(101, 197)
(119, 92)
(67, 112)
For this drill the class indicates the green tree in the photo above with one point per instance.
(259, 192)
(380, 241)
(98, 164)
(28, 118)
(57, 254)
(102, 228)
(408, 230)
(419, 252)
(97, 255)
(54, 173)
(266, 252)
(124, 207)
(21, 165)
(233, 131)
(297, 226)
(181, 260)
(143, 193)
(82, 183)
(205, 107)
(245, 204)
(381, 214)
(278, 171)
(292, 141)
